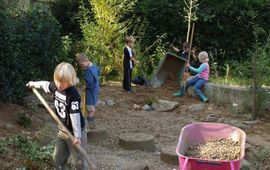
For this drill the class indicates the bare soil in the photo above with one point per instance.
(122, 118)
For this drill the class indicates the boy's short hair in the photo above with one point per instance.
(81, 57)
(129, 39)
(65, 72)
(203, 56)
(186, 45)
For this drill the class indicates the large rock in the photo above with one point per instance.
(168, 155)
(164, 105)
(137, 141)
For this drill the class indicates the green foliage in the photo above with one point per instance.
(223, 28)
(24, 120)
(151, 56)
(2, 147)
(30, 44)
(150, 100)
(34, 155)
(66, 11)
(104, 34)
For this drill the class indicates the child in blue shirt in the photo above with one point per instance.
(91, 77)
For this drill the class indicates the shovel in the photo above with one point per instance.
(92, 165)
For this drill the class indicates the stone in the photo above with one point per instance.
(221, 120)
(110, 102)
(245, 164)
(147, 107)
(168, 155)
(251, 123)
(101, 103)
(211, 118)
(9, 126)
(244, 127)
(137, 141)
(136, 107)
(196, 107)
(164, 105)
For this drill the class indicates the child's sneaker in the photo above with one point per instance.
(91, 123)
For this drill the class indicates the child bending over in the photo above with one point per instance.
(199, 80)
(67, 103)
(91, 77)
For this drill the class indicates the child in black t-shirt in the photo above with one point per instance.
(67, 103)
(128, 64)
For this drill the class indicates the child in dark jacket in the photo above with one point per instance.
(91, 77)
(128, 64)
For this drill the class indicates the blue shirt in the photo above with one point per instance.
(91, 77)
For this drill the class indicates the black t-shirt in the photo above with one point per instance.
(67, 102)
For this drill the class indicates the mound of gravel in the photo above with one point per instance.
(215, 149)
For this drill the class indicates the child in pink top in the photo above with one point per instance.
(199, 80)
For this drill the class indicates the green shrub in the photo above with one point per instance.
(150, 100)
(104, 34)
(29, 49)
(33, 155)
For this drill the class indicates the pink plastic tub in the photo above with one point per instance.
(198, 132)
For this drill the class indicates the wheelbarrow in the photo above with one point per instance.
(196, 133)
(170, 67)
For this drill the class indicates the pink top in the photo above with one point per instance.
(205, 73)
(203, 70)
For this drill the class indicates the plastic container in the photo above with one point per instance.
(199, 132)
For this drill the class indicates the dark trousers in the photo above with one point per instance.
(127, 79)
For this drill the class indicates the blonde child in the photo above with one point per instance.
(67, 105)
(129, 61)
(199, 80)
(91, 77)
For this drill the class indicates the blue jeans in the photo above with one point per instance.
(197, 84)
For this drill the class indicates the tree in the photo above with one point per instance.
(104, 33)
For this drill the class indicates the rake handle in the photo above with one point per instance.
(91, 164)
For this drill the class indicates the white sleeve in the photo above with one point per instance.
(42, 84)
(130, 52)
(76, 124)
